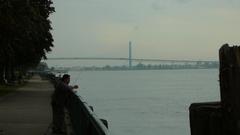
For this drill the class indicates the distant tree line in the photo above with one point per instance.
(25, 35)
(140, 66)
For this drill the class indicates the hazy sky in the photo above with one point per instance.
(165, 29)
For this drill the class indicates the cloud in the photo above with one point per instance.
(183, 1)
(161, 5)
(156, 6)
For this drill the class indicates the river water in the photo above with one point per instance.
(147, 102)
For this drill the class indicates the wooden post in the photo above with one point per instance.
(222, 118)
(230, 88)
(206, 118)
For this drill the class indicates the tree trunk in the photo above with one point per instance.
(2, 74)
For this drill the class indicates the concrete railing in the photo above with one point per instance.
(84, 120)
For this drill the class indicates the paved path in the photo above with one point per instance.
(27, 111)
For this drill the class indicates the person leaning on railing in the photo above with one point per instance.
(59, 99)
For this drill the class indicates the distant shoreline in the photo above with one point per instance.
(140, 66)
(67, 69)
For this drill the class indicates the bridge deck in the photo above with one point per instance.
(133, 59)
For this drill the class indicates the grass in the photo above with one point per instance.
(5, 89)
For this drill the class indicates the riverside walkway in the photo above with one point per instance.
(27, 111)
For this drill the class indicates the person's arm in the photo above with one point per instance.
(73, 87)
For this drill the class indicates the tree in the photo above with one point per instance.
(25, 35)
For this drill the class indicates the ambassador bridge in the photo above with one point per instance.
(130, 59)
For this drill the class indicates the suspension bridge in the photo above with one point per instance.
(130, 59)
(127, 59)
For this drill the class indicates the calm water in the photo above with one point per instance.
(147, 102)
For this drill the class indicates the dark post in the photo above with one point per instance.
(221, 118)
(205, 118)
(230, 88)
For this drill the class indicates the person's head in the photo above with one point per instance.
(66, 78)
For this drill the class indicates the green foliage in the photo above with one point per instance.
(42, 66)
(25, 32)
(8, 89)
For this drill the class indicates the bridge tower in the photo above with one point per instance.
(130, 54)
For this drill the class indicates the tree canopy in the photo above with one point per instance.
(25, 33)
